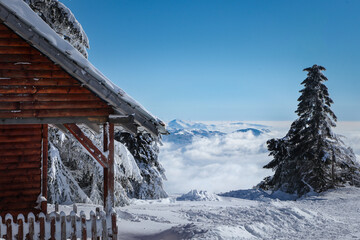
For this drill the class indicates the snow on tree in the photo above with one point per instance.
(62, 21)
(74, 176)
(145, 151)
(311, 157)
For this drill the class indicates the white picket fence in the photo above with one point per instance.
(59, 226)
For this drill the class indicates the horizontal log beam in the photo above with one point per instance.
(6, 58)
(47, 97)
(24, 165)
(14, 146)
(19, 206)
(51, 105)
(55, 113)
(39, 82)
(25, 66)
(21, 179)
(87, 143)
(24, 138)
(54, 120)
(18, 50)
(20, 131)
(23, 192)
(42, 90)
(11, 127)
(34, 74)
(13, 42)
(21, 152)
(8, 34)
(18, 186)
(9, 174)
(19, 159)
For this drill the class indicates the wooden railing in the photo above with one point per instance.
(59, 226)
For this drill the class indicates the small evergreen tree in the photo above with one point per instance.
(62, 21)
(311, 157)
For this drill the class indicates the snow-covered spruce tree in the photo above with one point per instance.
(145, 151)
(311, 157)
(62, 21)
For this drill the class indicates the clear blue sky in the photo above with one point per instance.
(225, 59)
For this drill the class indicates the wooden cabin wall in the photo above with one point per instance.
(32, 86)
(20, 167)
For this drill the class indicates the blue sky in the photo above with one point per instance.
(225, 59)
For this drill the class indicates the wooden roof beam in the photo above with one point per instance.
(87, 144)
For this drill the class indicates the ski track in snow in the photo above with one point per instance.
(332, 215)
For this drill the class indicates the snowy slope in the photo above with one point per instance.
(332, 215)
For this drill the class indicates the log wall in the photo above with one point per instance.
(32, 86)
(20, 167)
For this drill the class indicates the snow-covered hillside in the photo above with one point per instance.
(255, 216)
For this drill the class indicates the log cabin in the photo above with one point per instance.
(44, 80)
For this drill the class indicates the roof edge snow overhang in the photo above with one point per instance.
(95, 82)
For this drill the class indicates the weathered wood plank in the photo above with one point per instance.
(39, 82)
(27, 185)
(19, 131)
(24, 66)
(20, 152)
(20, 159)
(8, 166)
(18, 50)
(42, 90)
(18, 206)
(13, 42)
(23, 192)
(34, 74)
(8, 34)
(51, 105)
(25, 138)
(47, 97)
(10, 173)
(55, 120)
(5, 58)
(55, 113)
(11, 127)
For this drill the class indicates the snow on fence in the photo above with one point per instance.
(59, 226)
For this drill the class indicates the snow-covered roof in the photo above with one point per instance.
(18, 16)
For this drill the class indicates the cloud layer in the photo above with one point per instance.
(229, 162)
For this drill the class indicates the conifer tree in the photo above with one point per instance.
(311, 157)
(62, 21)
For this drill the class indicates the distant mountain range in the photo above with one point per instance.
(183, 132)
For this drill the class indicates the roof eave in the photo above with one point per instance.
(101, 89)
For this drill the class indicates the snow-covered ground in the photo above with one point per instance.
(332, 215)
(222, 156)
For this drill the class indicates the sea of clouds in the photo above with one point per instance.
(231, 161)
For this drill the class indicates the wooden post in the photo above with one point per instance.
(30, 235)
(52, 228)
(45, 134)
(105, 170)
(114, 226)
(20, 235)
(83, 226)
(42, 227)
(73, 226)
(63, 226)
(9, 229)
(111, 178)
